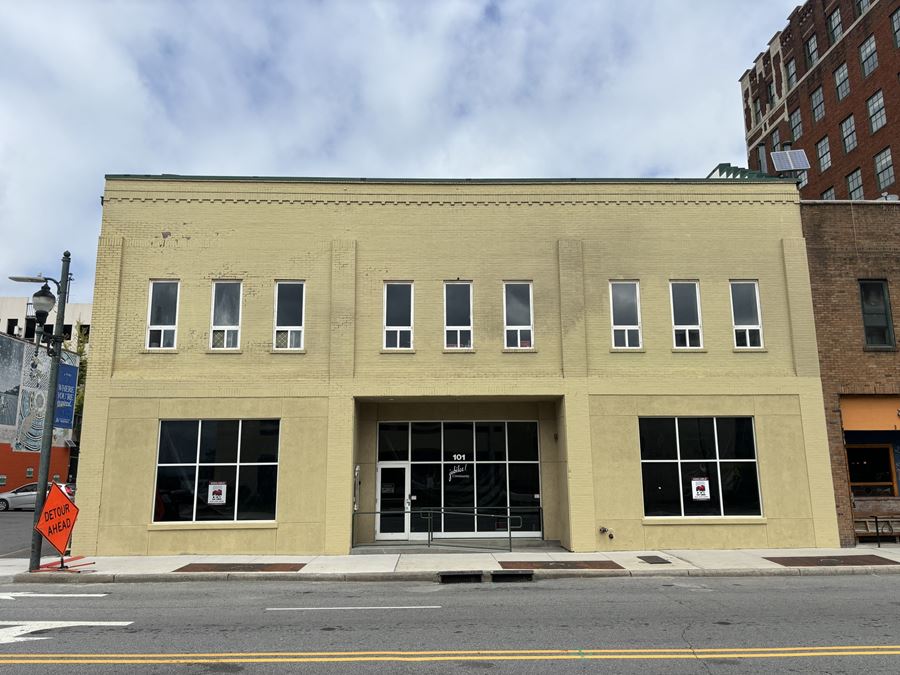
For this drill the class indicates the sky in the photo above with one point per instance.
(374, 88)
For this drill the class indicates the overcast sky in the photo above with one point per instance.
(412, 88)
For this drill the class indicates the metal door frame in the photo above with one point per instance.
(392, 535)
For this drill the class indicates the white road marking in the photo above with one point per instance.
(26, 594)
(16, 629)
(318, 609)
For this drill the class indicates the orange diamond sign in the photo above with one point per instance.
(57, 518)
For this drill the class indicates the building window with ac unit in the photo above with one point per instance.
(876, 314)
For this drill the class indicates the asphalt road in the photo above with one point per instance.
(709, 625)
(15, 533)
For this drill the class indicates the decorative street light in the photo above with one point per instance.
(43, 301)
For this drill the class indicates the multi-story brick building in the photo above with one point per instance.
(853, 251)
(302, 365)
(828, 84)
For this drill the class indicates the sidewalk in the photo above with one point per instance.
(426, 567)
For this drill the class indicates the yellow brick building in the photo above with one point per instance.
(286, 365)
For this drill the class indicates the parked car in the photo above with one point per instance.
(24, 497)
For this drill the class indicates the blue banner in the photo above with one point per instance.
(65, 396)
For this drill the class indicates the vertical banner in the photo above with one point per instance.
(65, 396)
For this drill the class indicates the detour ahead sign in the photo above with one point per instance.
(57, 518)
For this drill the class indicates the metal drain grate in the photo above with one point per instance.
(560, 565)
(242, 567)
(654, 559)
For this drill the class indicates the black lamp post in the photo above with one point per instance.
(43, 301)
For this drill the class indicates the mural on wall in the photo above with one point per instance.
(24, 380)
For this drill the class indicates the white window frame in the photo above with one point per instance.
(290, 330)
(161, 327)
(868, 56)
(842, 84)
(686, 327)
(817, 103)
(226, 328)
(746, 328)
(623, 327)
(519, 328)
(876, 115)
(823, 153)
(398, 329)
(458, 329)
(884, 168)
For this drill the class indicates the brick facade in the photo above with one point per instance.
(846, 243)
(789, 44)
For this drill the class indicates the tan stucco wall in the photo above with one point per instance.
(345, 240)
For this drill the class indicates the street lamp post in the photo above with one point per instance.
(43, 302)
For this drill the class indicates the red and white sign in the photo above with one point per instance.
(218, 493)
(700, 488)
(57, 518)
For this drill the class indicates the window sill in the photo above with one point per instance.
(708, 520)
(869, 348)
(213, 525)
(398, 351)
(224, 351)
(459, 351)
(750, 350)
(627, 350)
(689, 350)
(159, 351)
(523, 350)
(287, 351)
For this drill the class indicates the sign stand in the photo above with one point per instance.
(55, 524)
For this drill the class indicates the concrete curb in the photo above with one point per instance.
(431, 576)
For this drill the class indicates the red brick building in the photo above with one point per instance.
(828, 84)
(853, 250)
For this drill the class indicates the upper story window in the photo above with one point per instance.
(745, 314)
(226, 315)
(868, 56)
(862, 6)
(796, 124)
(757, 111)
(823, 150)
(854, 185)
(811, 49)
(817, 101)
(686, 326)
(828, 194)
(802, 179)
(848, 133)
(776, 140)
(877, 115)
(699, 466)
(398, 315)
(876, 313)
(791, 68)
(458, 315)
(884, 168)
(842, 81)
(835, 29)
(518, 320)
(770, 90)
(289, 312)
(872, 470)
(761, 158)
(625, 302)
(895, 25)
(162, 315)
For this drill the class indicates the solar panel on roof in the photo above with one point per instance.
(790, 160)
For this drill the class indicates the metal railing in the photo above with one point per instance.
(513, 519)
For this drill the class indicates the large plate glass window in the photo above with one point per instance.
(699, 466)
(289, 313)
(398, 315)
(625, 301)
(873, 470)
(518, 320)
(686, 325)
(162, 315)
(225, 470)
(226, 315)
(458, 315)
(745, 314)
(876, 313)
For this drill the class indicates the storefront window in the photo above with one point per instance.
(699, 466)
(872, 470)
(216, 470)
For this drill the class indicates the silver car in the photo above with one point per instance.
(20, 498)
(24, 497)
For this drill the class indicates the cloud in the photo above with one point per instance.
(467, 88)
